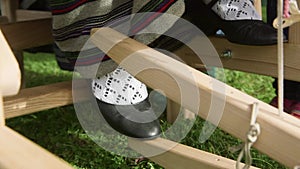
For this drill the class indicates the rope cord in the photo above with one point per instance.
(252, 136)
(280, 57)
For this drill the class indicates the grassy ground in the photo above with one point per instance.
(59, 131)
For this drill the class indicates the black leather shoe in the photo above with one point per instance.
(137, 121)
(249, 32)
(246, 32)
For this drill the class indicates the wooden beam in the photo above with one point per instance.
(3, 20)
(255, 59)
(179, 156)
(10, 76)
(16, 151)
(39, 98)
(173, 109)
(27, 34)
(294, 32)
(8, 9)
(283, 132)
(257, 5)
(32, 15)
(2, 118)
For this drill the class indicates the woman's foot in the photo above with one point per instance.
(247, 30)
(137, 121)
(123, 102)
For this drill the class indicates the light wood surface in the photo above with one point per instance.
(39, 98)
(180, 156)
(27, 34)
(283, 132)
(10, 76)
(173, 110)
(2, 118)
(255, 59)
(257, 5)
(17, 152)
(32, 15)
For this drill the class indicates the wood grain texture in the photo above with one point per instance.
(27, 34)
(39, 98)
(16, 151)
(3, 20)
(8, 9)
(2, 118)
(173, 110)
(294, 32)
(283, 132)
(32, 15)
(255, 59)
(179, 156)
(30, 100)
(10, 76)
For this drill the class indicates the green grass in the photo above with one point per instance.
(59, 131)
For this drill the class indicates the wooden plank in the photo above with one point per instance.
(294, 32)
(257, 5)
(39, 98)
(31, 15)
(27, 34)
(8, 8)
(173, 110)
(10, 76)
(179, 156)
(3, 20)
(283, 132)
(2, 118)
(18, 152)
(255, 59)
(20, 58)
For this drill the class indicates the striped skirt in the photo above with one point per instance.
(73, 20)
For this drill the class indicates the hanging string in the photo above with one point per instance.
(252, 136)
(280, 56)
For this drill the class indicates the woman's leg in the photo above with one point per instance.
(237, 19)
(114, 88)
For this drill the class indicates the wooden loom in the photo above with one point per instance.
(284, 140)
(236, 117)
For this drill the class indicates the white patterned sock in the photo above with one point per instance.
(119, 88)
(236, 10)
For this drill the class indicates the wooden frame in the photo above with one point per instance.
(33, 99)
(16, 151)
(235, 120)
(255, 59)
(24, 34)
(181, 156)
(283, 132)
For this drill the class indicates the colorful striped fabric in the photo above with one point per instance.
(73, 20)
